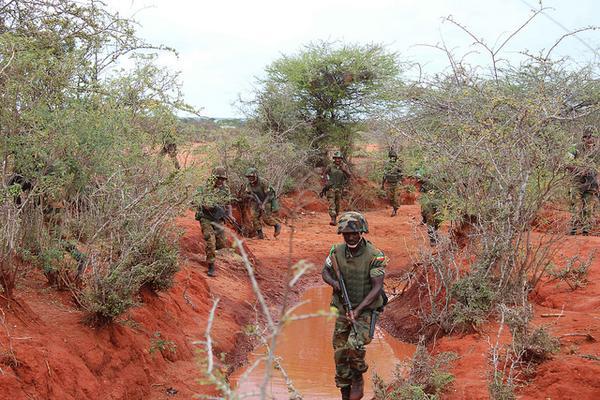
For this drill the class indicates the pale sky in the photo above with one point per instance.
(224, 45)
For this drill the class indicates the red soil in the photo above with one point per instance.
(59, 357)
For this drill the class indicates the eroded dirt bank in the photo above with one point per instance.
(57, 356)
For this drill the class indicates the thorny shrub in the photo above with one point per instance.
(85, 195)
(423, 378)
(514, 362)
(495, 147)
(574, 273)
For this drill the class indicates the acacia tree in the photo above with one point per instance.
(316, 97)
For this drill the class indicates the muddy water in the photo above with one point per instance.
(307, 355)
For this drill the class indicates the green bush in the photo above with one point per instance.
(159, 259)
(427, 377)
(473, 301)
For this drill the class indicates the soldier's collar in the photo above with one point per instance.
(362, 245)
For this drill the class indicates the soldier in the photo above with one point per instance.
(265, 205)
(213, 207)
(355, 269)
(430, 206)
(169, 147)
(392, 175)
(336, 176)
(585, 182)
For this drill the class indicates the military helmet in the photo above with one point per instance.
(337, 154)
(392, 154)
(220, 172)
(251, 172)
(352, 221)
(588, 131)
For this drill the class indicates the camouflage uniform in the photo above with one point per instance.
(211, 203)
(169, 147)
(357, 270)
(261, 190)
(337, 180)
(585, 187)
(430, 208)
(392, 176)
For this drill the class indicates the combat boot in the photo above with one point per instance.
(394, 212)
(260, 234)
(345, 393)
(211, 270)
(332, 222)
(357, 389)
(277, 230)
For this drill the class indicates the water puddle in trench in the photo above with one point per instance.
(307, 355)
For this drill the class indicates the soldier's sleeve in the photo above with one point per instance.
(197, 197)
(378, 264)
(328, 265)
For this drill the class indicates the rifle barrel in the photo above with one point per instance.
(345, 298)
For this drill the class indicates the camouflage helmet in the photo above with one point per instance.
(251, 172)
(352, 221)
(337, 154)
(220, 172)
(588, 131)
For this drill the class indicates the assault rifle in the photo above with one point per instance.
(344, 293)
(324, 190)
(235, 225)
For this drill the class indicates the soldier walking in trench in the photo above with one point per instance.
(213, 206)
(392, 176)
(337, 176)
(586, 188)
(355, 269)
(265, 205)
(430, 202)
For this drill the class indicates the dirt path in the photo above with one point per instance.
(57, 356)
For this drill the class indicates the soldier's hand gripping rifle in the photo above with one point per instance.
(344, 293)
(324, 190)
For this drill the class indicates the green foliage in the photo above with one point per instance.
(281, 163)
(427, 378)
(575, 273)
(474, 298)
(158, 343)
(316, 97)
(83, 137)
(531, 346)
(500, 389)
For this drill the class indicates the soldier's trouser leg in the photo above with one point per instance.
(269, 217)
(209, 239)
(432, 220)
(333, 203)
(392, 194)
(220, 241)
(255, 219)
(587, 211)
(349, 348)
(574, 208)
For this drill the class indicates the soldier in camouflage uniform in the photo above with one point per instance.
(362, 268)
(430, 206)
(169, 147)
(212, 203)
(337, 176)
(265, 205)
(392, 176)
(585, 189)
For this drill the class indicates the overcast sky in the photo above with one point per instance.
(224, 45)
